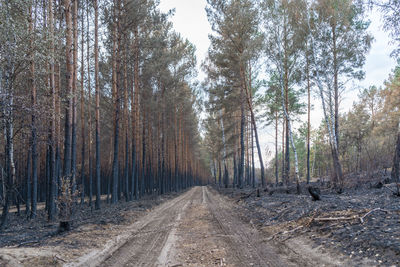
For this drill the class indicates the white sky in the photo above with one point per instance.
(190, 20)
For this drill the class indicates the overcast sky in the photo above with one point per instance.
(190, 20)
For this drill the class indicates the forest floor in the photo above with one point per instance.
(361, 223)
(202, 227)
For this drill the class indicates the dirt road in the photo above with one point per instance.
(198, 228)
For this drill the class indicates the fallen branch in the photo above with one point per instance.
(58, 258)
(27, 242)
(387, 187)
(396, 193)
(284, 232)
(312, 218)
(354, 217)
(335, 219)
(369, 212)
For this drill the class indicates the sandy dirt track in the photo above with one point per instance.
(199, 228)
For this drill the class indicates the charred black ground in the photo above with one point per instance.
(362, 222)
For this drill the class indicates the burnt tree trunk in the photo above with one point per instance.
(96, 75)
(242, 147)
(115, 89)
(396, 161)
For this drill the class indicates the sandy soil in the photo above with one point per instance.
(200, 228)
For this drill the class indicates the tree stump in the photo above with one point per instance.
(64, 226)
(315, 193)
(379, 185)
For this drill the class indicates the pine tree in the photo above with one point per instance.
(97, 110)
(339, 42)
(236, 42)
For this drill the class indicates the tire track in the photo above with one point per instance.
(144, 251)
(142, 242)
(248, 247)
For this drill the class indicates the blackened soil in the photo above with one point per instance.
(334, 222)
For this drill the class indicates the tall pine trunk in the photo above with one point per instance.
(283, 152)
(226, 175)
(115, 89)
(33, 129)
(96, 73)
(68, 94)
(308, 118)
(396, 161)
(9, 126)
(287, 137)
(247, 90)
(28, 183)
(135, 114)
(74, 92)
(90, 159)
(242, 147)
(143, 176)
(10, 166)
(53, 138)
(335, 83)
(276, 150)
(219, 173)
(126, 120)
(83, 134)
